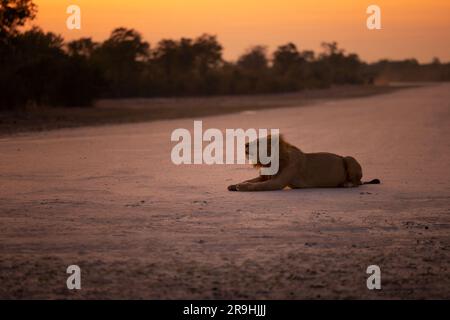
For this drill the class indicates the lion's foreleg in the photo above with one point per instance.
(233, 187)
(269, 185)
(257, 179)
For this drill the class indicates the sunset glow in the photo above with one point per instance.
(410, 29)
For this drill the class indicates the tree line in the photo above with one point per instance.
(40, 68)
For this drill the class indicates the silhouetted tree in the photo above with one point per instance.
(83, 47)
(252, 73)
(336, 67)
(255, 59)
(286, 57)
(208, 60)
(33, 61)
(38, 71)
(121, 57)
(208, 53)
(188, 66)
(13, 14)
(127, 45)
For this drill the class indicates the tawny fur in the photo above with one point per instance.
(298, 169)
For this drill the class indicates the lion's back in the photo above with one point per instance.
(323, 169)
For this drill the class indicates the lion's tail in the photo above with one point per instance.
(374, 181)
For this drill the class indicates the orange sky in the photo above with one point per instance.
(410, 28)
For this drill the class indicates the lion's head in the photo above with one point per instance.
(266, 146)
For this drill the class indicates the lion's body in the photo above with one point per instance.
(312, 170)
(307, 170)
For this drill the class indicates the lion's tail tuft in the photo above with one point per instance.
(374, 181)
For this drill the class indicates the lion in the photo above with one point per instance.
(298, 169)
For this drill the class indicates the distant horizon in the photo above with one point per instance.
(410, 29)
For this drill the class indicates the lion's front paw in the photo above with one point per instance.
(233, 187)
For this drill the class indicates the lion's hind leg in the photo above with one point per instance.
(354, 172)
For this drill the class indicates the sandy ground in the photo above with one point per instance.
(110, 200)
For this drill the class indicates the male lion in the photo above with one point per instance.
(298, 169)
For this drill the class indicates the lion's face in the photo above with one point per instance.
(268, 146)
